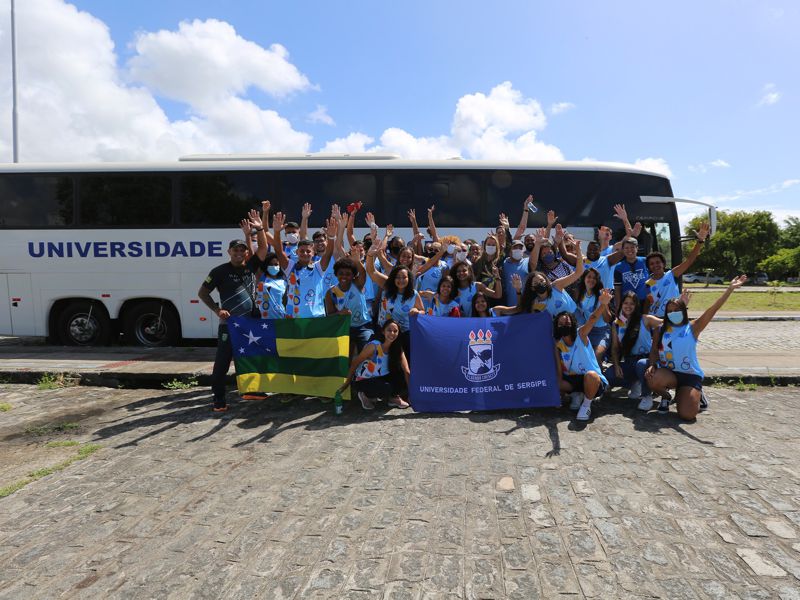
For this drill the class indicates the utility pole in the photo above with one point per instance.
(14, 139)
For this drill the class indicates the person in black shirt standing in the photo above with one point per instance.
(235, 281)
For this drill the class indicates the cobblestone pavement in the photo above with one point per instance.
(287, 501)
(751, 335)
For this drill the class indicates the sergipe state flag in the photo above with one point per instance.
(308, 357)
(483, 363)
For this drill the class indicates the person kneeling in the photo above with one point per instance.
(581, 375)
(380, 370)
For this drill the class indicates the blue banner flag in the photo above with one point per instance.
(483, 363)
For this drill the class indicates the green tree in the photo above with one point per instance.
(790, 234)
(743, 239)
(784, 263)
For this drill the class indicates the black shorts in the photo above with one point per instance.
(576, 381)
(689, 380)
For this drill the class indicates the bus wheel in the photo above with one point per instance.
(151, 324)
(84, 324)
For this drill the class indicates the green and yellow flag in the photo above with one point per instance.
(308, 357)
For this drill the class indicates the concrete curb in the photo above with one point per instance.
(159, 380)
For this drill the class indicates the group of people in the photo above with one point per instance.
(619, 319)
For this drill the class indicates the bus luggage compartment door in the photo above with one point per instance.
(20, 300)
(5, 307)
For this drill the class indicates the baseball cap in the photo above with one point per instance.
(235, 243)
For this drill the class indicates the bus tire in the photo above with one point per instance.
(84, 323)
(152, 324)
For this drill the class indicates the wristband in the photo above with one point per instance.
(257, 230)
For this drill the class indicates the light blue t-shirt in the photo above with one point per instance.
(270, 297)
(644, 341)
(585, 309)
(352, 300)
(578, 359)
(509, 269)
(661, 291)
(606, 271)
(304, 292)
(678, 350)
(397, 308)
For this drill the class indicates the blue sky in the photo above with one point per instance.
(705, 91)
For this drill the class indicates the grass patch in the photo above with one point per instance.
(53, 381)
(748, 301)
(179, 384)
(84, 451)
(50, 429)
(61, 443)
(5, 407)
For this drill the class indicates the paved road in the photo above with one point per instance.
(286, 501)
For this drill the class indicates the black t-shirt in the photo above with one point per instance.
(236, 287)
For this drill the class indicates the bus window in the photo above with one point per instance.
(36, 201)
(125, 200)
(457, 197)
(223, 199)
(662, 242)
(322, 189)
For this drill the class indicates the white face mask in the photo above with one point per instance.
(461, 255)
(292, 238)
(491, 250)
(516, 253)
(451, 248)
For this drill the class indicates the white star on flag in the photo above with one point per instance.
(236, 325)
(241, 350)
(265, 326)
(252, 339)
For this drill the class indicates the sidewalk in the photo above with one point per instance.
(730, 351)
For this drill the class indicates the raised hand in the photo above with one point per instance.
(559, 236)
(686, 296)
(503, 220)
(605, 297)
(306, 212)
(331, 226)
(551, 218)
(370, 219)
(255, 219)
(412, 216)
(335, 212)
(525, 202)
(389, 231)
(539, 234)
(430, 210)
(737, 282)
(702, 234)
(620, 212)
(265, 206)
(636, 229)
(516, 282)
(495, 271)
(244, 225)
(277, 221)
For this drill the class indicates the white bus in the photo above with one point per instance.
(91, 251)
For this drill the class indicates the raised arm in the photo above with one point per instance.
(265, 206)
(533, 257)
(433, 260)
(361, 276)
(496, 291)
(523, 220)
(277, 225)
(331, 226)
(551, 222)
(703, 320)
(416, 242)
(602, 307)
(379, 278)
(432, 225)
(351, 221)
(558, 241)
(568, 280)
(256, 223)
(621, 214)
(306, 212)
(702, 236)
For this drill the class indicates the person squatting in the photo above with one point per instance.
(619, 319)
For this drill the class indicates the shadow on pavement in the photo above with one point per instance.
(270, 417)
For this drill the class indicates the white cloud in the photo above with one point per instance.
(320, 115)
(204, 61)
(704, 167)
(355, 143)
(559, 107)
(657, 165)
(769, 95)
(502, 125)
(75, 105)
(774, 188)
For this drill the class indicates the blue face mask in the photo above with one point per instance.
(273, 270)
(548, 259)
(675, 317)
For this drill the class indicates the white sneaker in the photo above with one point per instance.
(636, 390)
(366, 402)
(646, 403)
(575, 400)
(585, 411)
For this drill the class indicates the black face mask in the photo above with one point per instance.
(540, 288)
(563, 331)
(395, 250)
